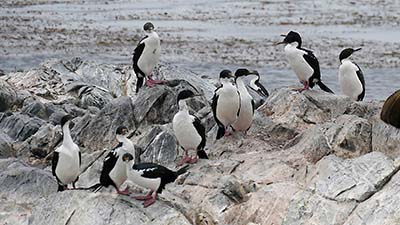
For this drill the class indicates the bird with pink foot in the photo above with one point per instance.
(151, 176)
(188, 130)
(146, 57)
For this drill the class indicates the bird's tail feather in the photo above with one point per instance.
(182, 170)
(324, 87)
(202, 154)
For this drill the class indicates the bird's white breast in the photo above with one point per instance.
(184, 130)
(245, 118)
(68, 168)
(118, 173)
(296, 60)
(348, 79)
(151, 53)
(228, 104)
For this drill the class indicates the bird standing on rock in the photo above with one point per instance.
(303, 62)
(351, 77)
(151, 176)
(114, 168)
(188, 130)
(66, 158)
(146, 57)
(243, 123)
(225, 103)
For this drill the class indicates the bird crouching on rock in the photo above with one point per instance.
(151, 176)
(303, 62)
(66, 160)
(188, 130)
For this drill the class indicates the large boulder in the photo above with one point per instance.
(6, 149)
(346, 136)
(385, 138)
(20, 126)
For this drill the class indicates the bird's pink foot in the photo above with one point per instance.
(184, 160)
(150, 201)
(150, 83)
(193, 160)
(124, 192)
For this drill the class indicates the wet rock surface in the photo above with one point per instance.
(309, 158)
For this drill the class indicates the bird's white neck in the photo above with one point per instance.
(127, 143)
(240, 84)
(67, 139)
(226, 82)
(182, 106)
(253, 83)
(345, 60)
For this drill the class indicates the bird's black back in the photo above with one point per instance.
(360, 76)
(136, 56)
(201, 130)
(108, 164)
(312, 60)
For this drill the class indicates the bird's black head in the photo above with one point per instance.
(185, 94)
(244, 72)
(122, 130)
(291, 37)
(65, 119)
(225, 74)
(346, 53)
(127, 157)
(148, 26)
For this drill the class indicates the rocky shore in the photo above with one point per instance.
(309, 158)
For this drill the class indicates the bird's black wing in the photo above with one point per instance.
(263, 90)
(108, 164)
(152, 170)
(80, 158)
(201, 130)
(360, 76)
(313, 62)
(214, 106)
(136, 55)
(54, 163)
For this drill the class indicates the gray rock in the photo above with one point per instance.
(347, 136)
(23, 183)
(98, 132)
(6, 149)
(20, 127)
(159, 145)
(90, 95)
(85, 208)
(385, 138)
(8, 96)
(380, 208)
(353, 179)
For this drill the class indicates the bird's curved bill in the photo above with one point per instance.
(279, 43)
(357, 49)
(254, 72)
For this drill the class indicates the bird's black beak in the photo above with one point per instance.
(254, 72)
(127, 157)
(357, 49)
(283, 35)
(280, 43)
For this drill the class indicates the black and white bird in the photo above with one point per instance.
(151, 176)
(146, 57)
(66, 160)
(351, 77)
(188, 130)
(246, 112)
(114, 168)
(225, 103)
(303, 62)
(256, 86)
